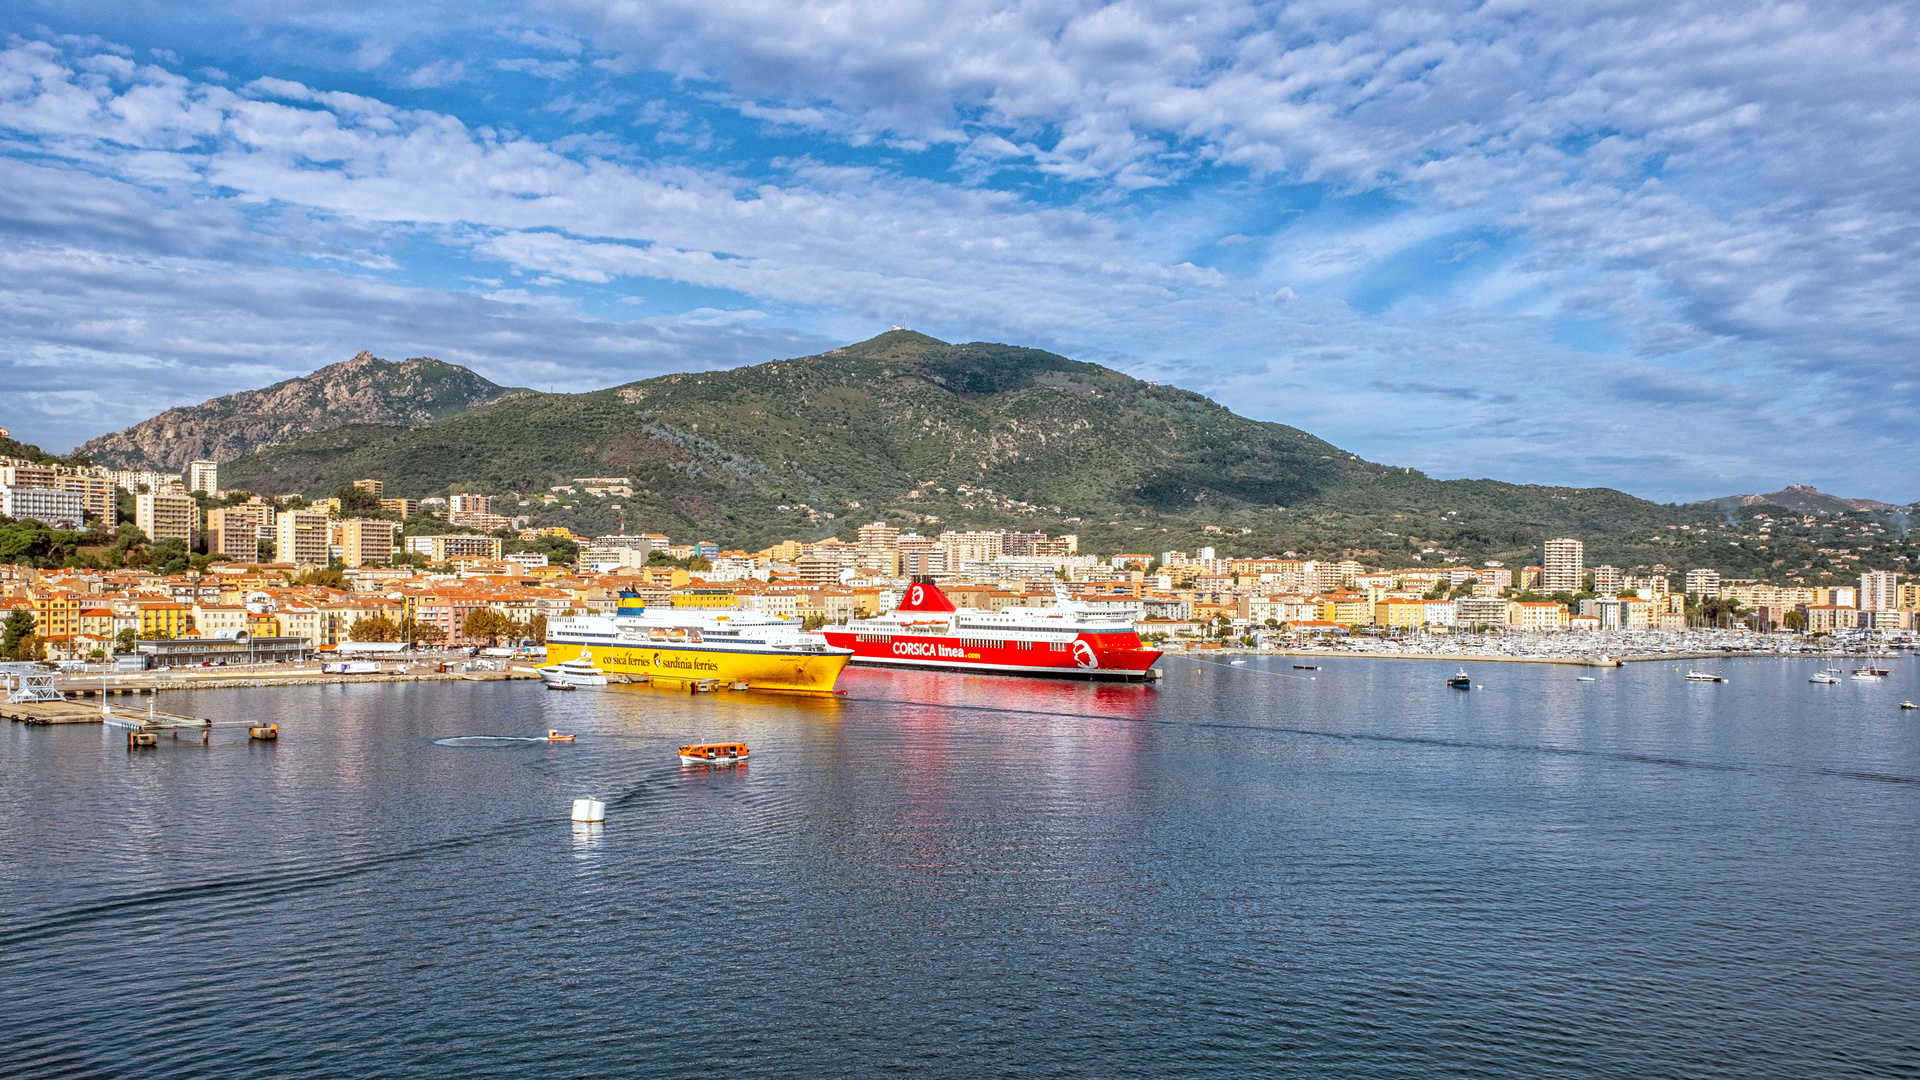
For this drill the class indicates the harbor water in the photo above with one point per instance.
(1349, 872)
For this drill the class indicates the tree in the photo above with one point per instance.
(537, 629)
(17, 628)
(33, 647)
(1793, 620)
(426, 634)
(124, 640)
(488, 623)
(378, 628)
(329, 578)
(357, 502)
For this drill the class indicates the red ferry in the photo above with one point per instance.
(1067, 640)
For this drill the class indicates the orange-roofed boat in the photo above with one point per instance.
(555, 736)
(717, 753)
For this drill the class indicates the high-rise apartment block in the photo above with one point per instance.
(1566, 568)
(1879, 590)
(1704, 583)
(234, 531)
(1607, 581)
(300, 537)
(165, 515)
(377, 488)
(203, 476)
(367, 541)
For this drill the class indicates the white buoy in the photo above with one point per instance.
(589, 810)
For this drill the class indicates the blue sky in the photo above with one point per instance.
(1662, 247)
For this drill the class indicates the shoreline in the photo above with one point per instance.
(1503, 658)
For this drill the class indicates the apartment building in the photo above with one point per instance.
(164, 515)
(376, 488)
(1566, 568)
(1879, 590)
(369, 541)
(1608, 581)
(49, 506)
(301, 537)
(99, 498)
(441, 549)
(203, 476)
(234, 531)
(1704, 583)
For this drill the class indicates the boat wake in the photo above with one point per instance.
(488, 740)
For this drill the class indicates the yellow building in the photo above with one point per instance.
(219, 620)
(164, 619)
(234, 531)
(706, 598)
(1400, 612)
(1346, 609)
(1538, 615)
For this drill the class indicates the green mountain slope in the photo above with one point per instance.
(363, 390)
(935, 436)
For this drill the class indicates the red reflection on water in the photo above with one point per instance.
(1119, 701)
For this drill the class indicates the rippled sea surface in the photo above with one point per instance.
(1351, 872)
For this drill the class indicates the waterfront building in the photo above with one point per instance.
(1566, 562)
(49, 506)
(166, 516)
(1481, 611)
(1705, 583)
(1878, 590)
(164, 619)
(1539, 615)
(203, 476)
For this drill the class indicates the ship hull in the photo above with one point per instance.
(674, 666)
(1082, 661)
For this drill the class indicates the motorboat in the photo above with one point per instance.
(1306, 667)
(1236, 663)
(555, 736)
(724, 753)
(1909, 705)
(573, 675)
(1703, 676)
(1584, 678)
(1829, 677)
(1461, 681)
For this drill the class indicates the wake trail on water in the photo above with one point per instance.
(1422, 740)
(257, 887)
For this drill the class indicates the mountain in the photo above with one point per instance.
(1803, 499)
(935, 436)
(365, 390)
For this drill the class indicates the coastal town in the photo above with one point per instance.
(238, 577)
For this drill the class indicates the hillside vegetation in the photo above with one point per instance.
(363, 390)
(933, 436)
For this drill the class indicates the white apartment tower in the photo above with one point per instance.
(203, 476)
(1704, 583)
(1566, 566)
(1879, 590)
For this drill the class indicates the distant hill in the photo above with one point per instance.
(365, 390)
(932, 436)
(1803, 499)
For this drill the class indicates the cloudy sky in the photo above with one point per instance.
(1665, 247)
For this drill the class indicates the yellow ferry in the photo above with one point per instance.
(676, 646)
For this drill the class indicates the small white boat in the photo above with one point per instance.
(573, 674)
(1703, 676)
(1237, 663)
(1584, 678)
(1828, 677)
(1909, 705)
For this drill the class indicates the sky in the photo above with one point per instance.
(1664, 247)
